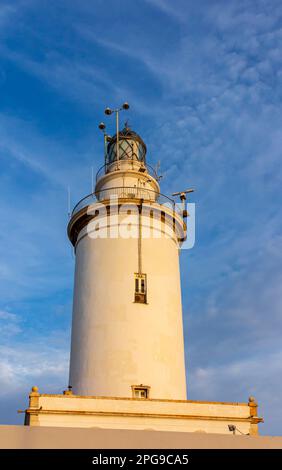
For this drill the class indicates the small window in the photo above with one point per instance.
(140, 294)
(140, 391)
(136, 285)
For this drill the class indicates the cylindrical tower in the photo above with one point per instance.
(127, 333)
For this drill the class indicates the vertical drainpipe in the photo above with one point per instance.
(140, 238)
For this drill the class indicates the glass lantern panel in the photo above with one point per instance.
(128, 150)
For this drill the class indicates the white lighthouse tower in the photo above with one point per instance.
(127, 366)
(127, 334)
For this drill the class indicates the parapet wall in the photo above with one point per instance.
(70, 410)
(25, 437)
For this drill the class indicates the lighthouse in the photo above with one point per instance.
(127, 368)
(127, 333)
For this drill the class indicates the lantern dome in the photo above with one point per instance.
(131, 146)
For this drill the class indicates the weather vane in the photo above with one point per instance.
(126, 124)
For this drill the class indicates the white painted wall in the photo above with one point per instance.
(117, 343)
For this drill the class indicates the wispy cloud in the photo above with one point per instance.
(41, 361)
(9, 325)
(255, 375)
(24, 363)
(7, 11)
(203, 81)
(174, 11)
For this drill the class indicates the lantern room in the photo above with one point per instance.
(130, 147)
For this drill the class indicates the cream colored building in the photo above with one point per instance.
(127, 367)
(68, 410)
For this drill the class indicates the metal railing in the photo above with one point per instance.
(124, 193)
(118, 166)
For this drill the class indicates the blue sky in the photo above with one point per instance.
(204, 83)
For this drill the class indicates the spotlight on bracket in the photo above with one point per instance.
(102, 126)
(232, 428)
